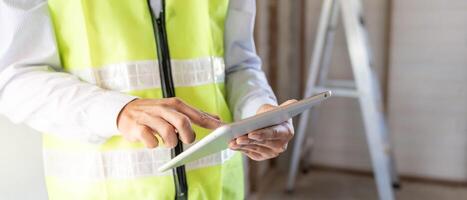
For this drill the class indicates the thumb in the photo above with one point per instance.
(288, 102)
(268, 107)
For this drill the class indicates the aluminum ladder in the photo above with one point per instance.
(365, 88)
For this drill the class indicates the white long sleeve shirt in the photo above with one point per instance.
(34, 90)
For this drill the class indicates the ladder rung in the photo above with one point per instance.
(341, 83)
(340, 92)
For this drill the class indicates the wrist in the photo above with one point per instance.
(122, 112)
(102, 114)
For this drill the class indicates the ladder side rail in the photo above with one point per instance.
(360, 61)
(313, 70)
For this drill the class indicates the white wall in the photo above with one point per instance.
(428, 87)
(21, 170)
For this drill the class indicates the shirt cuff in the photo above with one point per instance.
(103, 115)
(253, 104)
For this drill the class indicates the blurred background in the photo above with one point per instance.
(419, 50)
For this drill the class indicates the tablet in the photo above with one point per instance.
(219, 139)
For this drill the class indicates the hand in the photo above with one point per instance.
(268, 142)
(170, 119)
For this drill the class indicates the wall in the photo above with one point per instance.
(21, 174)
(428, 87)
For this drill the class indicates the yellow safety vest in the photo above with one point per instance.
(111, 43)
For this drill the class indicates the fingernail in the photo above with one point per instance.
(243, 141)
(237, 147)
(254, 136)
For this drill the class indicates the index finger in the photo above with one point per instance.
(196, 116)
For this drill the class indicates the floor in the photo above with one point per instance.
(334, 185)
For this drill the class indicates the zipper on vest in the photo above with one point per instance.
(168, 88)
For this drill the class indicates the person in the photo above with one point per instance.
(84, 72)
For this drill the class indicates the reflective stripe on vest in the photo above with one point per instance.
(142, 75)
(119, 164)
